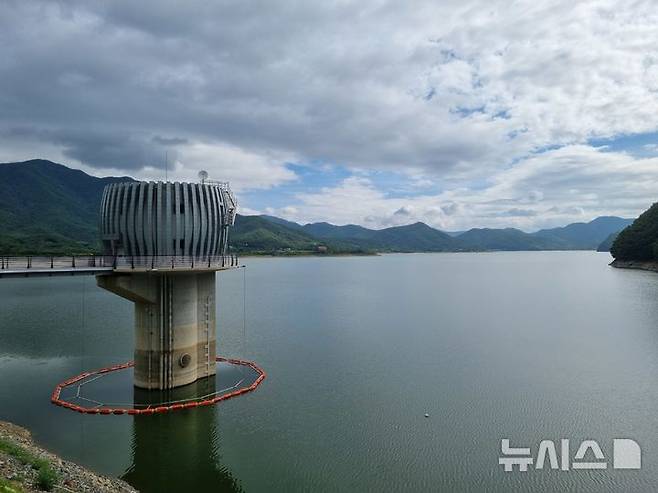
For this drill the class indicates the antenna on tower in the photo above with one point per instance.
(203, 176)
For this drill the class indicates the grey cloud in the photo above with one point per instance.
(535, 196)
(169, 141)
(109, 149)
(570, 210)
(450, 209)
(516, 212)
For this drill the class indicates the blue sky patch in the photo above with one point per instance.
(637, 145)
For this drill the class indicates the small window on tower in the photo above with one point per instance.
(182, 244)
(182, 208)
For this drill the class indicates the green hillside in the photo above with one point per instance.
(350, 232)
(639, 241)
(606, 244)
(508, 239)
(48, 208)
(256, 234)
(417, 237)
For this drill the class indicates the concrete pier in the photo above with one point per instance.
(175, 326)
(183, 229)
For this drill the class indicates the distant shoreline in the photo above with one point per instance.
(306, 254)
(375, 254)
(635, 264)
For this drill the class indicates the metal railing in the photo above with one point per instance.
(117, 262)
(233, 206)
(174, 262)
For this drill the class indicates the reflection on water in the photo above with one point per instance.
(178, 451)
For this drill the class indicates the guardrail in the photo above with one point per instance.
(117, 262)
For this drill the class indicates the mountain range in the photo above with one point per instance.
(49, 208)
(421, 237)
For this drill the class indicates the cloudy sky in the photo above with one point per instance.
(457, 113)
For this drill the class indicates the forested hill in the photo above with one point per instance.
(606, 244)
(640, 240)
(47, 208)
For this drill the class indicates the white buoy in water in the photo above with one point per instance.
(427, 415)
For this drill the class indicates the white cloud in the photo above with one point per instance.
(574, 183)
(243, 169)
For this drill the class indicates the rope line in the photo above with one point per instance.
(158, 404)
(163, 407)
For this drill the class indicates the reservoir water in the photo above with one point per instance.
(528, 346)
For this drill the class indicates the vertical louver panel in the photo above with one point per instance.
(167, 237)
(130, 223)
(123, 218)
(222, 226)
(178, 233)
(150, 226)
(101, 226)
(110, 210)
(159, 220)
(139, 220)
(213, 221)
(195, 220)
(203, 215)
(116, 227)
(187, 213)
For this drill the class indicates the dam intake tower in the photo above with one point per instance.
(168, 240)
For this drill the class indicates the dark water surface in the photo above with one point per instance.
(525, 346)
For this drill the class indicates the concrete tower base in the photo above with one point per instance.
(175, 334)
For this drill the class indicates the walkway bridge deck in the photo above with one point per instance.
(31, 266)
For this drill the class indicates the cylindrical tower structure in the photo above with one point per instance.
(175, 330)
(163, 218)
